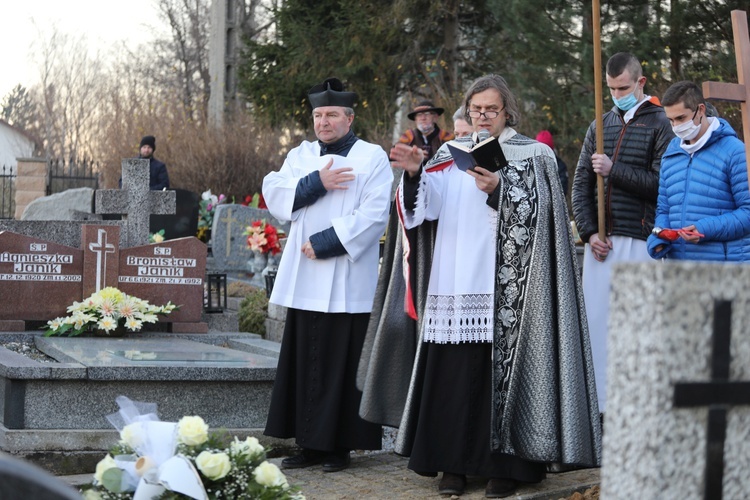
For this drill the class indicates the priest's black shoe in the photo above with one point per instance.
(452, 484)
(500, 488)
(304, 459)
(336, 462)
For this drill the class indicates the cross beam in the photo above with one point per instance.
(718, 394)
(737, 92)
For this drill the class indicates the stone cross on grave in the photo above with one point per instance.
(718, 394)
(229, 219)
(737, 92)
(135, 201)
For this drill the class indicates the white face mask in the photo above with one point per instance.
(688, 130)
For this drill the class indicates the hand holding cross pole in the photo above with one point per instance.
(599, 115)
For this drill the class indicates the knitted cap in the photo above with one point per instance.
(148, 140)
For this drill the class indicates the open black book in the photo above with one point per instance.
(487, 154)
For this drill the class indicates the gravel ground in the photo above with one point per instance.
(29, 350)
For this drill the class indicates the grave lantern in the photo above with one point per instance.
(270, 280)
(216, 296)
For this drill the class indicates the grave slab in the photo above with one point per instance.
(54, 413)
(148, 359)
(663, 331)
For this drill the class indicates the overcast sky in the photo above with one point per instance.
(104, 22)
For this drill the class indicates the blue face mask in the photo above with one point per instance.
(626, 102)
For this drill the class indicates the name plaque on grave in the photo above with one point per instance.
(173, 270)
(37, 278)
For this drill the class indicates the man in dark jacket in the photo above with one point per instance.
(158, 178)
(636, 134)
(427, 135)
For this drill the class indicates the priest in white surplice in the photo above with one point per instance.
(336, 192)
(502, 382)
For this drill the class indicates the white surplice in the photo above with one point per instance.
(460, 294)
(358, 215)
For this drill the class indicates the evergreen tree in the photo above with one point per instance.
(353, 41)
(19, 109)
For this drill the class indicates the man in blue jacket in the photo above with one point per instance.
(703, 188)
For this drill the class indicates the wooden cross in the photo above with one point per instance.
(718, 394)
(229, 219)
(737, 92)
(135, 200)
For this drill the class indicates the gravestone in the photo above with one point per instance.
(41, 279)
(135, 201)
(678, 413)
(184, 222)
(169, 271)
(38, 279)
(228, 244)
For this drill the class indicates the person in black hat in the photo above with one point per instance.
(336, 193)
(158, 177)
(427, 134)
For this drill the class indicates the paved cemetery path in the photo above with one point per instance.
(385, 476)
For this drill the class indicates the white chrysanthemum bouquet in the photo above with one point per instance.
(106, 310)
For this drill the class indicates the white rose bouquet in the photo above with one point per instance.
(170, 461)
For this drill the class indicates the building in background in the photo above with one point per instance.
(14, 143)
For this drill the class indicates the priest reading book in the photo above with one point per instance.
(487, 154)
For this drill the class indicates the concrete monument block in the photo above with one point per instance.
(54, 413)
(678, 413)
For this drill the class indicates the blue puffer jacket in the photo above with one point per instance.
(709, 190)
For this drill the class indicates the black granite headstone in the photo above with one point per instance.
(184, 222)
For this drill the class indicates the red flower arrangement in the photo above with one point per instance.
(264, 237)
(254, 200)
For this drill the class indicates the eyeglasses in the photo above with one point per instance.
(490, 115)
